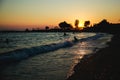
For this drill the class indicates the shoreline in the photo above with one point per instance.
(103, 65)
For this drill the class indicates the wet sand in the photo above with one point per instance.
(103, 65)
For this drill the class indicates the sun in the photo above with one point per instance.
(81, 24)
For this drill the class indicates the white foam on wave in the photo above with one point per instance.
(24, 53)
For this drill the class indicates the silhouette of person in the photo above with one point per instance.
(65, 34)
(75, 39)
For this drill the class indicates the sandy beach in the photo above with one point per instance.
(103, 65)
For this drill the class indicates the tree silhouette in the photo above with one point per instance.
(86, 23)
(27, 30)
(76, 23)
(46, 28)
(104, 22)
(65, 26)
(102, 26)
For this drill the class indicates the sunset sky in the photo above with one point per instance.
(21, 14)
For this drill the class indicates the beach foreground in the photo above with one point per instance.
(103, 65)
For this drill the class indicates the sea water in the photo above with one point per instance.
(45, 56)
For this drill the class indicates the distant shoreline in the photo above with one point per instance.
(104, 27)
(59, 30)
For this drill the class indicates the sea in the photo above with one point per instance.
(45, 55)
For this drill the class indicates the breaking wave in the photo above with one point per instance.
(20, 54)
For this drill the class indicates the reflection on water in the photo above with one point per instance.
(87, 48)
(81, 49)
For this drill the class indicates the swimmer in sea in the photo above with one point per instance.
(75, 39)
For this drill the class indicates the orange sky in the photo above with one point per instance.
(21, 14)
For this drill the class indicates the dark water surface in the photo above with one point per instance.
(52, 65)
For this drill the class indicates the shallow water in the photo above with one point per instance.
(53, 65)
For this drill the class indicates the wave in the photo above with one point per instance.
(24, 53)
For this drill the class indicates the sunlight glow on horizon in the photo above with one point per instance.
(81, 24)
(40, 13)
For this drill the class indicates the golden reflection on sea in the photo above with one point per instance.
(83, 49)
